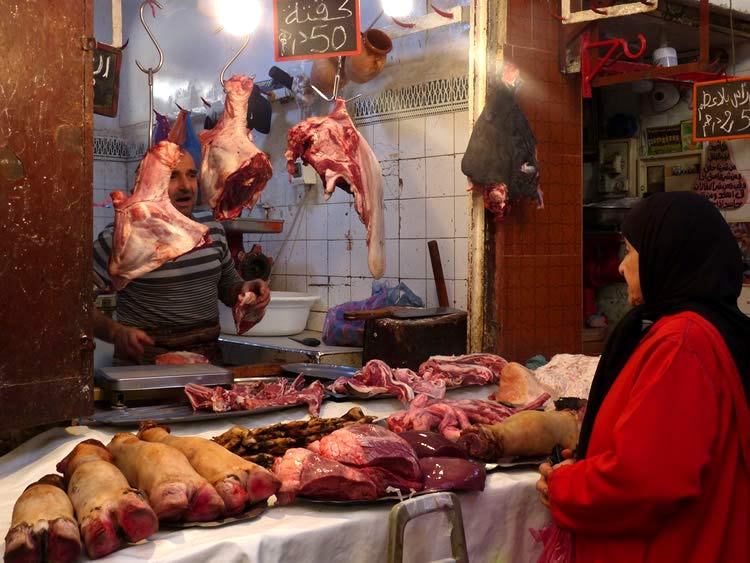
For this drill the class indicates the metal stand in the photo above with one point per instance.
(409, 509)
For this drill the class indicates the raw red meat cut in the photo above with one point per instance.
(469, 369)
(108, 510)
(342, 157)
(307, 474)
(450, 417)
(370, 445)
(452, 474)
(43, 527)
(180, 358)
(175, 490)
(244, 313)
(377, 378)
(237, 481)
(257, 395)
(234, 171)
(149, 231)
(432, 444)
(387, 481)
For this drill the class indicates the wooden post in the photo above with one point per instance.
(488, 36)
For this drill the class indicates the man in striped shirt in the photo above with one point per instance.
(174, 307)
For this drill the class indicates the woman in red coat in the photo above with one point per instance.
(662, 468)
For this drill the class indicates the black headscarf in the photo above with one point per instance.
(688, 261)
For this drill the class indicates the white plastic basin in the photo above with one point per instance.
(286, 314)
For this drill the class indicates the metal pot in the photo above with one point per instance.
(608, 214)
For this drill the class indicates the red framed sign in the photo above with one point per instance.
(721, 109)
(316, 29)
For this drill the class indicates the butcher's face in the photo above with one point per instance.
(630, 270)
(183, 185)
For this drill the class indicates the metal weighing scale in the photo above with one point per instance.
(124, 385)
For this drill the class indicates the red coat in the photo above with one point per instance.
(667, 475)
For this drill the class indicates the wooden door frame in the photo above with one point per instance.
(488, 35)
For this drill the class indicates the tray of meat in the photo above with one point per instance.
(169, 414)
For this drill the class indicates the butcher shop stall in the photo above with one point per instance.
(302, 281)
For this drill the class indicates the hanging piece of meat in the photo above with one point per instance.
(233, 170)
(43, 527)
(176, 492)
(107, 508)
(149, 231)
(341, 156)
(244, 312)
(501, 158)
(236, 480)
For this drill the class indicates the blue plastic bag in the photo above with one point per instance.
(338, 331)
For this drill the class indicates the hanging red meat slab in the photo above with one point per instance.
(341, 156)
(149, 231)
(234, 171)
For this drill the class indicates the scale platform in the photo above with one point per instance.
(122, 385)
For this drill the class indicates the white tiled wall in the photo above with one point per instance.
(108, 176)
(322, 249)
(425, 198)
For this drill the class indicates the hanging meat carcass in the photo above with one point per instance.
(342, 157)
(233, 170)
(501, 158)
(149, 231)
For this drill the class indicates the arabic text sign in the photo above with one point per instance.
(107, 60)
(721, 109)
(312, 29)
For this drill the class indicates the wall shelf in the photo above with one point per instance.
(671, 155)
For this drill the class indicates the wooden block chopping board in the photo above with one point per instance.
(406, 343)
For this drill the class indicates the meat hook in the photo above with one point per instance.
(234, 58)
(336, 82)
(150, 71)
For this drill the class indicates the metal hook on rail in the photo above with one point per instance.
(150, 71)
(336, 83)
(234, 58)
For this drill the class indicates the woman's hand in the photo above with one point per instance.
(129, 341)
(546, 469)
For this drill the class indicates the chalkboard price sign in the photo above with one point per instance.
(721, 109)
(314, 29)
(107, 61)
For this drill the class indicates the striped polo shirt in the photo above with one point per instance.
(180, 292)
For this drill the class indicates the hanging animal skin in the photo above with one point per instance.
(501, 156)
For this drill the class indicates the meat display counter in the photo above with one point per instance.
(496, 521)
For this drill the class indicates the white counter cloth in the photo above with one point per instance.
(496, 521)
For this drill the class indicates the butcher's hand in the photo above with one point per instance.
(546, 469)
(261, 291)
(129, 342)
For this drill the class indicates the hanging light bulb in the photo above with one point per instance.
(397, 8)
(238, 17)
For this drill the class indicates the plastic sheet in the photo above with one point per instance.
(339, 332)
(558, 544)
